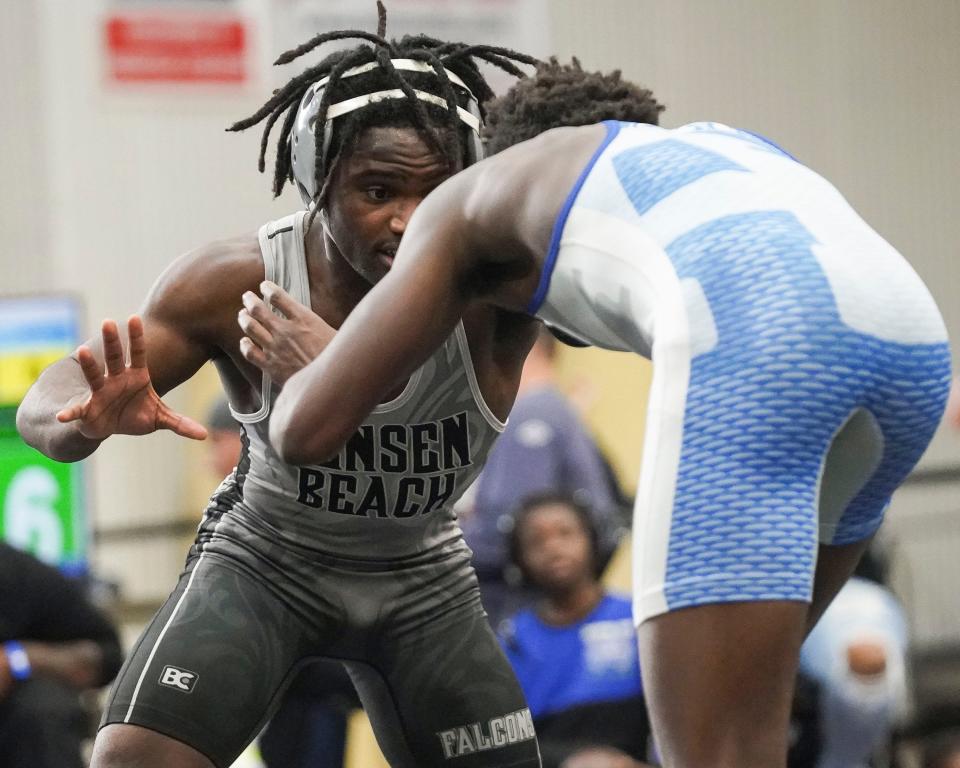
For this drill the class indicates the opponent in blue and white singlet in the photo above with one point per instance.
(800, 365)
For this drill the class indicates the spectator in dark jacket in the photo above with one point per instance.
(53, 644)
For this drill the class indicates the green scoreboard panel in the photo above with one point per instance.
(42, 507)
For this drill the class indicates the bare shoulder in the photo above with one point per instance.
(514, 197)
(558, 154)
(204, 286)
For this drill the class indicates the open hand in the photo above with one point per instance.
(280, 346)
(122, 401)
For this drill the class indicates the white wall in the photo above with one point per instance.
(24, 255)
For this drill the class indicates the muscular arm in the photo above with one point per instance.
(179, 318)
(389, 335)
(438, 271)
(481, 235)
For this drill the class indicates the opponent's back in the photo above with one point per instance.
(776, 320)
(639, 242)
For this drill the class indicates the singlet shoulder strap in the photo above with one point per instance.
(291, 260)
(464, 347)
(284, 263)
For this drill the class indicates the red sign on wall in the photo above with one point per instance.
(176, 48)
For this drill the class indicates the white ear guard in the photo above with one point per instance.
(303, 138)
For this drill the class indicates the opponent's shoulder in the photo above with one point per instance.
(208, 278)
(511, 203)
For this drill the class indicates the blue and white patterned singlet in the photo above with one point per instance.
(801, 367)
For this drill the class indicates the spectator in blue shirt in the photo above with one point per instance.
(575, 650)
(545, 447)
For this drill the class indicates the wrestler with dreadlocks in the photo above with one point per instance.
(359, 559)
(800, 366)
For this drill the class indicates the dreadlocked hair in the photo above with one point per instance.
(563, 94)
(440, 126)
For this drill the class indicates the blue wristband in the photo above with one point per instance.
(18, 660)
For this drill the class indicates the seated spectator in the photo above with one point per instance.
(53, 644)
(575, 651)
(545, 447)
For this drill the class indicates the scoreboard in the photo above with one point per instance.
(42, 507)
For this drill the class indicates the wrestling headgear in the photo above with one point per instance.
(303, 138)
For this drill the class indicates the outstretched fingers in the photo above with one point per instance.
(138, 342)
(73, 412)
(253, 328)
(252, 353)
(92, 368)
(93, 373)
(258, 309)
(113, 353)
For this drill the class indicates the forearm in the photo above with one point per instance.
(307, 424)
(37, 414)
(383, 341)
(77, 663)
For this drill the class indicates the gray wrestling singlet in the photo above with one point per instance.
(360, 560)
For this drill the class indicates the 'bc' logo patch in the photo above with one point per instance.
(180, 679)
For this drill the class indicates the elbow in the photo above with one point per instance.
(23, 425)
(60, 443)
(26, 426)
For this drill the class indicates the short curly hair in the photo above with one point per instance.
(564, 94)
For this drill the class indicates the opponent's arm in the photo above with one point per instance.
(403, 319)
(82, 399)
(391, 333)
